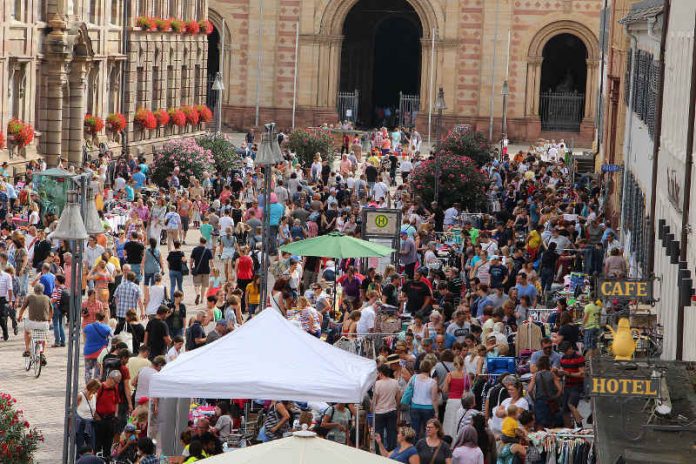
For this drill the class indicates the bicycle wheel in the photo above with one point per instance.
(27, 362)
(37, 361)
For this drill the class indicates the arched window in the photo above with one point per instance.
(113, 87)
(92, 89)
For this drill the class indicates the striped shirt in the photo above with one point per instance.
(572, 364)
(127, 297)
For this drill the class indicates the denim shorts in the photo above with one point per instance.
(589, 338)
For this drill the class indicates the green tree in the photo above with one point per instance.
(306, 144)
(467, 143)
(223, 150)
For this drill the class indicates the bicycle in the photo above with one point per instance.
(36, 349)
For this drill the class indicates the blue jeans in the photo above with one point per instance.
(419, 417)
(84, 432)
(176, 279)
(58, 329)
(385, 425)
(149, 279)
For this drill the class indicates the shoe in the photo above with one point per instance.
(25, 354)
(55, 345)
(198, 299)
(15, 330)
(62, 345)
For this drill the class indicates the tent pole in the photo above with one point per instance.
(357, 425)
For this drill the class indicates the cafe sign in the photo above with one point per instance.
(612, 386)
(629, 289)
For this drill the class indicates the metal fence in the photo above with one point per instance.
(561, 111)
(347, 105)
(409, 106)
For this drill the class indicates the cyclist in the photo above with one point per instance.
(39, 314)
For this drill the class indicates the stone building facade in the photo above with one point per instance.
(63, 59)
(461, 46)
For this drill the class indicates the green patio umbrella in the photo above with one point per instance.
(336, 245)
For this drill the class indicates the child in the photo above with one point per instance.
(252, 294)
(511, 431)
(215, 282)
(297, 231)
(196, 211)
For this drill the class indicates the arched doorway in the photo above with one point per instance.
(563, 83)
(213, 65)
(381, 59)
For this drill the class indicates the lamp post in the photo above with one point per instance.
(218, 87)
(268, 155)
(74, 230)
(440, 106)
(504, 141)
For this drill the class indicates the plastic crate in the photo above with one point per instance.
(501, 365)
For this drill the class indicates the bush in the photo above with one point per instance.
(306, 144)
(191, 158)
(18, 441)
(223, 151)
(467, 143)
(460, 181)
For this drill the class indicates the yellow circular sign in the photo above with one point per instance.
(381, 220)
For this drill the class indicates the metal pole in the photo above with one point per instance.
(222, 48)
(68, 431)
(125, 37)
(493, 63)
(259, 62)
(294, 83)
(506, 91)
(432, 82)
(437, 158)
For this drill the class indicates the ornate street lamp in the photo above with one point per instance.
(218, 87)
(75, 231)
(440, 106)
(268, 155)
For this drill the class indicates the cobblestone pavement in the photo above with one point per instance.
(43, 399)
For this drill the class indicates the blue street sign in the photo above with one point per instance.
(611, 167)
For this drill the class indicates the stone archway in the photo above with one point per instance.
(330, 40)
(535, 58)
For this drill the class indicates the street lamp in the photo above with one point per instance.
(268, 155)
(440, 106)
(74, 230)
(218, 87)
(505, 92)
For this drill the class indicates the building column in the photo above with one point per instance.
(76, 83)
(536, 87)
(591, 89)
(56, 49)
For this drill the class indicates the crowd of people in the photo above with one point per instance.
(465, 287)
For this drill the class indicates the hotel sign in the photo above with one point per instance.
(602, 386)
(629, 289)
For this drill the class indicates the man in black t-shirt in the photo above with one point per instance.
(498, 273)
(366, 282)
(133, 251)
(390, 292)
(418, 296)
(195, 334)
(200, 269)
(157, 333)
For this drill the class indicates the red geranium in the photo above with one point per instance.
(206, 26)
(177, 117)
(163, 24)
(192, 116)
(93, 124)
(145, 119)
(146, 23)
(115, 122)
(22, 133)
(192, 27)
(162, 117)
(178, 25)
(2, 140)
(205, 113)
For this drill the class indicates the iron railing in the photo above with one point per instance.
(561, 111)
(347, 105)
(409, 106)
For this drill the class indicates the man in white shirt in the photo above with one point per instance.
(451, 215)
(93, 251)
(225, 222)
(142, 382)
(366, 324)
(380, 190)
(6, 299)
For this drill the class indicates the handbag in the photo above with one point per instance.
(551, 403)
(408, 393)
(184, 268)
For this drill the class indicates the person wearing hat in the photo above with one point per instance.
(385, 402)
(220, 330)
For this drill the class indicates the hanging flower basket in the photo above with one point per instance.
(162, 117)
(178, 25)
(163, 25)
(205, 113)
(192, 27)
(146, 23)
(145, 119)
(2, 140)
(93, 124)
(115, 122)
(206, 27)
(20, 132)
(192, 116)
(177, 117)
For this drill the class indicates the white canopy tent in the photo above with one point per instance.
(301, 448)
(268, 358)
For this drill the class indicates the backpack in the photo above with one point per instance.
(64, 302)
(111, 362)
